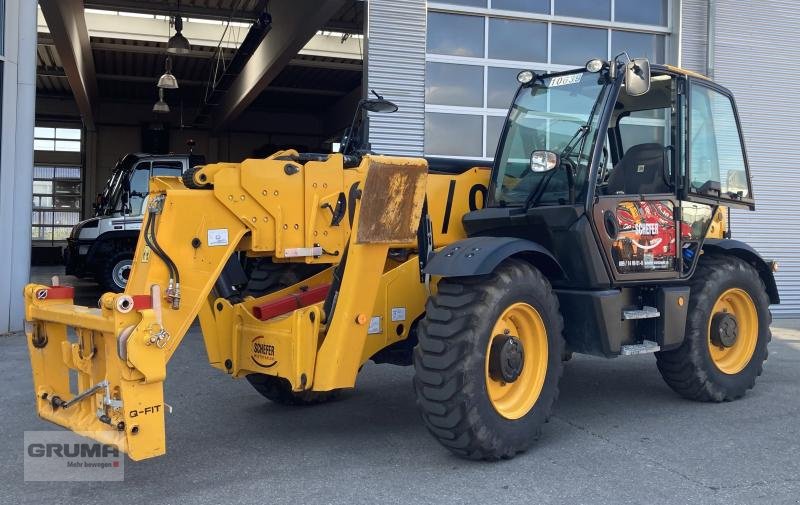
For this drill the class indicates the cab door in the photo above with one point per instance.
(637, 210)
(717, 169)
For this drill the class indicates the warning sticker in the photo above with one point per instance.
(374, 325)
(398, 314)
(218, 237)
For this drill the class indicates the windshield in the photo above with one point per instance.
(557, 113)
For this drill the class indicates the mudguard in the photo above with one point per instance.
(481, 255)
(750, 255)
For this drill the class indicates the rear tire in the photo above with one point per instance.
(280, 391)
(703, 370)
(464, 406)
(114, 272)
(265, 276)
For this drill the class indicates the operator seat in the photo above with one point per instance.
(640, 172)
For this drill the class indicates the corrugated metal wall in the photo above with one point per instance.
(396, 69)
(694, 26)
(755, 47)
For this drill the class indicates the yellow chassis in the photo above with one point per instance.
(117, 353)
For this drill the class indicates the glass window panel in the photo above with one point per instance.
(540, 6)
(44, 145)
(42, 233)
(453, 134)
(61, 233)
(42, 201)
(647, 12)
(594, 9)
(41, 132)
(167, 168)
(43, 187)
(42, 217)
(501, 86)
(68, 202)
(494, 127)
(67, 173)
(645, 127)
(67, 188)
(511, 39)
(635, 134)
(447, 84)
(68, 133)
(470, 3)
(42, 172)
(455, 34)
(65, 218)
(72, 146)
(715, 151)
(574, 45)
(638, 45)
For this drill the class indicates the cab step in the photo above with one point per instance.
(646, 347)
(645, 312)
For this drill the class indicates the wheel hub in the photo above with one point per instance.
(724, 330)
(506, 358)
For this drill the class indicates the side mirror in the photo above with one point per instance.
(379, 105)
(544, 161)
(637, 77)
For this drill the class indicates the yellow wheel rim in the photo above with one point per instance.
(733, 359)
(513, 400)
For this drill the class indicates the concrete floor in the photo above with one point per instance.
(619, 435)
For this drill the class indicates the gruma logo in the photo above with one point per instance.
(67, 456)
(262, 353)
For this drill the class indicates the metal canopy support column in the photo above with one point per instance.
(294, 23)
(16, 158)
(67, 25)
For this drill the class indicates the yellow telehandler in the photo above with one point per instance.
(600, 229)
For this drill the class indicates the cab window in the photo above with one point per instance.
(140, 179)
(167, 168)
(716, 158)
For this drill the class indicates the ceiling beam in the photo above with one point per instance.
(162, 8)
(294, 23)
(67, 26)
(159, 7)
(59, 74)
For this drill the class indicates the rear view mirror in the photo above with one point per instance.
(543, 161)
(379, 105)
(637, 77)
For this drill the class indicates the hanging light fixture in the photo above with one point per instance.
(177, 43)
(161, 107)
(168, 81)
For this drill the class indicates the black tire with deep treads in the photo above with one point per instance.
(689, 369)
(280, 391)
(450, 379)
(265, 277)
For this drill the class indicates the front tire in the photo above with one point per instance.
(727, 332)
(115, 271)
(468, 394)
(280, 391)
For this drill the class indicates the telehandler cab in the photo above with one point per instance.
(601, 229)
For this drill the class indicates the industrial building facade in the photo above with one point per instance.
(449, 65)
(472, 49)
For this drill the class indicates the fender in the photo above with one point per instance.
(481, 255)
(750, 255)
